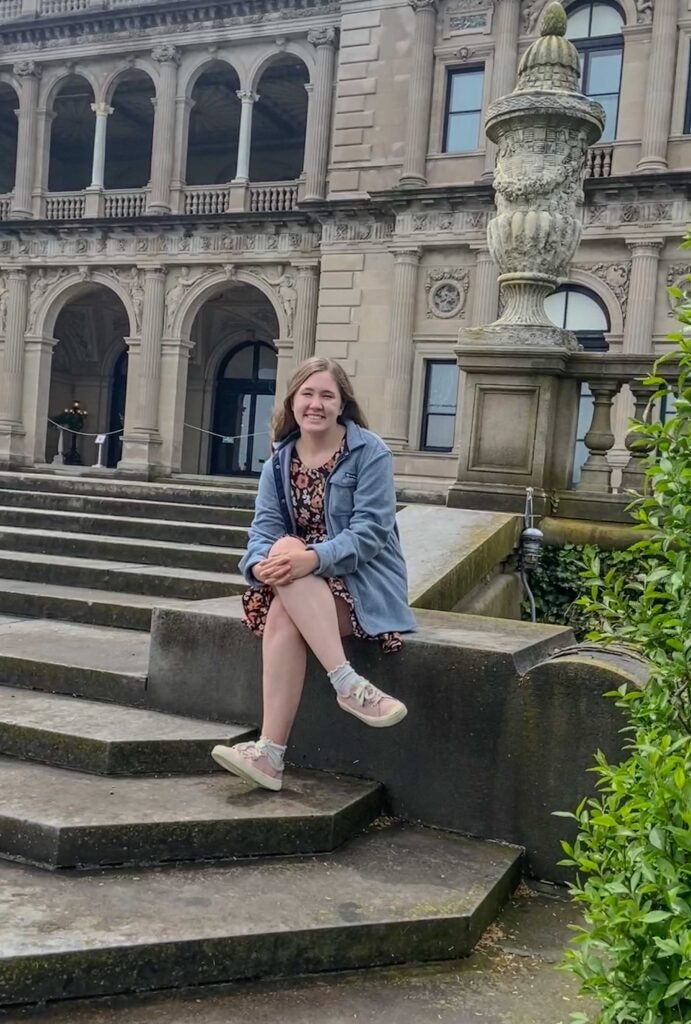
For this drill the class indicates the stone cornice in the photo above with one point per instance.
(129, 23)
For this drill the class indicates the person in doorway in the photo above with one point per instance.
(323, 562)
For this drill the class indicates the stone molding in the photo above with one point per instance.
(27, 69)
(326, 36)
(617, 277)
(447, 292)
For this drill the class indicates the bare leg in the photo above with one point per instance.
(284, 658)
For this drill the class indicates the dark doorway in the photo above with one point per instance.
(244, 400)
(118, 395)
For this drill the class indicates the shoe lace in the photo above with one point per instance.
(364, 692)
(253, 749)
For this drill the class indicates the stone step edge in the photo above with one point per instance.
(97, 517)
(116, 498)
(143, 542)
(70, 561)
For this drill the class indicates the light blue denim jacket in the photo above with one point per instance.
(363, 545)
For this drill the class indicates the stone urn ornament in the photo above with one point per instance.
(542, 131)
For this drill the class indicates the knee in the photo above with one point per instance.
(286, 544)
(278, 622)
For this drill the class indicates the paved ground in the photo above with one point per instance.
(511, 979)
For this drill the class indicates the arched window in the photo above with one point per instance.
(244, 399)
(9, 103)
(583, 312)
(596, 31)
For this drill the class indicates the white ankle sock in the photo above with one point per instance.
(274, 753)
(344, 678)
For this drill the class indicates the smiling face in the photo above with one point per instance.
(317, 404)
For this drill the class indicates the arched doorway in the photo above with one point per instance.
(243, 401)
(89, 366)
(231, 382)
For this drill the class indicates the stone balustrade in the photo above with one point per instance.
(599, 162)
(65, 205)
(10, 9)
(277, 197)
(203, 199)
(124, 203)
(6, 205)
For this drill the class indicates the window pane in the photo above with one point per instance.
(442, 387)
(262, 441)
(555, 308)
(604, 72)
(584, 313)
(466, 91)
(240, 366)
(267, 363)
(440, 432)
(463, 133)
(611, 105)
(606, 21)
(577, 26)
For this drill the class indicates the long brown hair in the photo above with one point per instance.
(283, 422)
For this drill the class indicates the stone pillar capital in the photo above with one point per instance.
(645, 246)
(306, 268)
(327, 36)
(166, 53)
(101, 109)
(424, 5)
(152, 271)
(410, 255)
(247, 96)
(27, 69)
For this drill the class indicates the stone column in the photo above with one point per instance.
(98, 167)
(168, 58)
(42, 160)
(657, 114)
(248, 99)
(420, 93)
(142, 441)
(640, 310)
(304, 331)
(37, 370)
(182, 128)
(485, 304)
(399, 365)
(12, 372)
(29, 73)
(507, 15)
(318, 133)
(175, 354)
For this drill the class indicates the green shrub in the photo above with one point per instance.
(632, 853)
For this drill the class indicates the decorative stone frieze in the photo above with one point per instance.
(450, 222)
(357, 231)
(616, 276)
(447, 291)
(542, 131)
(325, 36)
(41, 281)
(27, 69)
(467, 17)
(166, 53)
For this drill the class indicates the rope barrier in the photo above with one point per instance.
(84, 433)
(211, 433)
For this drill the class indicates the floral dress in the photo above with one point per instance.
(307, 487)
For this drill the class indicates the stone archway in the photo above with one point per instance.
(231, 379)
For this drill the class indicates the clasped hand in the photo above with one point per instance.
(279, 569)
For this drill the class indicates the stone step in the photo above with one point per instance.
(104, 739)
(81, 604)
(132, 578)
(201, 533)
(88, 504)
(55, 818)
(131, 549)
(225, 494)
(396, 895)
(87, 661)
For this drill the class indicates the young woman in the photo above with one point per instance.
(323, 562)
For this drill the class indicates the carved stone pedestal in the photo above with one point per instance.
(518, 414)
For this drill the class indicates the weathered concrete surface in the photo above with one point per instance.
(497, 737)
(60, 657)
(456, 761)
(611, 536)
(498, 596)
(57, 818)
(448, 551)
(396, 895)
(107, 740)
(509, 979)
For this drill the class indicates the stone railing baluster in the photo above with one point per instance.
(596, 472)
(633, 474)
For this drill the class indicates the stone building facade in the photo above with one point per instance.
(196, 196)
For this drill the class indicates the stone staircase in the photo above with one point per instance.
(128, 862)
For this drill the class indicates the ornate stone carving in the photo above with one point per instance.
(166, 53)
(644, 11)
(678, 276)
(284, 287)
(542, 130)
(424, 5)
(327, 36)
(175, 296)
(530, 14)
(447, 290)
(41, 281)
(465, 17)
(615, 275)
(27, 69)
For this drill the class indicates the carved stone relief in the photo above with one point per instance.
(283, 285)
(41, 281)
(467, 17)
(447, 291)
(176, 294)
(678, 275)
(615, 275)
